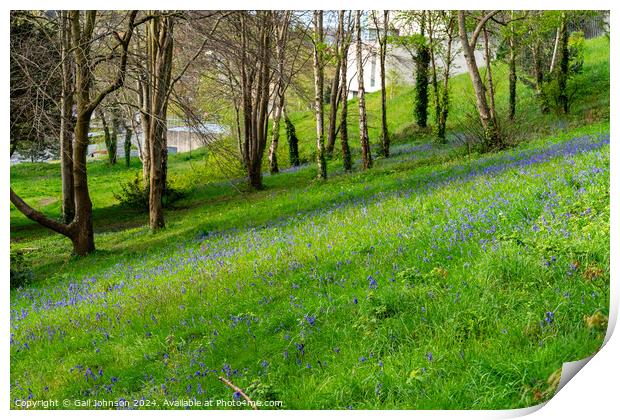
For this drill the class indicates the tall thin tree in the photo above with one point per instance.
(366, 153)
(345, 36)
(318, 93)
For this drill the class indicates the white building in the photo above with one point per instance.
(399, 64)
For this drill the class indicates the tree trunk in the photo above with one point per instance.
(490, 87)
(110, 136)
(82, 234)
(491, 134)
(113, 147)
(275, 136)
(422, 62)
(278, 101)
(80, 231)
(334, 96)
(344, 92)
(539, 76)
(291, 137)
(434, 82)
(512, 76)
(334, 101)
(159, 61)
(256, 74)
(66, 123)
(366, 154)
(127, 145)
(564, 62)
(318, 93)
(385, 137)
(444, 102)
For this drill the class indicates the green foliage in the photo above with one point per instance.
(135, 195)
(21, 274)
(293, 142)
(576, 50)
(422, 62)
(240, 279)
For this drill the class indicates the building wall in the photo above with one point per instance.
(398, 61)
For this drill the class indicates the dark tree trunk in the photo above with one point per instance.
(422, 62)
(256, 74)
(539, 76)
(82, 225)
(159, 61)
(344, 134)
(564, 61)
(512, 75)
(110, 136)
(291, 138)
(127, 144)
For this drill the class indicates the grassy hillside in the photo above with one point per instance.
(437, 279)
(591, 101)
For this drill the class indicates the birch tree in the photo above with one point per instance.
(363, 125)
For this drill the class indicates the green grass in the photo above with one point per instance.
(469, 254)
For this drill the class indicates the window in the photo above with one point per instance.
(373, 69)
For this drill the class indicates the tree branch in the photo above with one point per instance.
(239, 390)
(37, 216)
(483, 21)
(120, 76)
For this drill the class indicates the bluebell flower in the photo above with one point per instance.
(549, 317)
(372, 283)
(237, 396)
(310, 320)
(429, 356)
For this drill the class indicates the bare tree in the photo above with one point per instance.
(83, 25)
(256, 73)
(159, 42)
(366, 154)
(278, 100)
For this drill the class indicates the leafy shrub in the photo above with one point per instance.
(21, 275)
(576, 51)
(135, 195)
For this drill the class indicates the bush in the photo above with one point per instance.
(471, 132)
(21, 275)
(135, 195)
